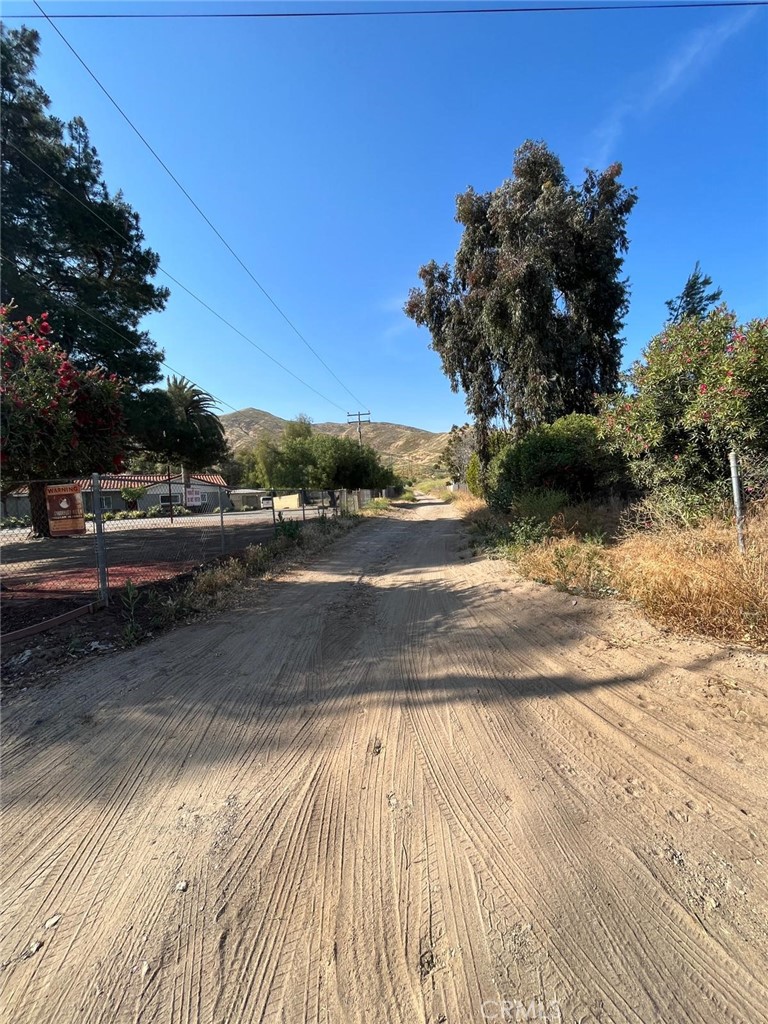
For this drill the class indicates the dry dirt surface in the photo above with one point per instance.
(401, 786)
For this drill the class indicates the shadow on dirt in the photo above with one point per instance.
(374, 623)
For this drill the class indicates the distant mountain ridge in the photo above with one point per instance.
(411, 450)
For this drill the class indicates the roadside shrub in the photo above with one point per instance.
(570, 565)
(700, 390)
(377, 505)
(540, 505)
(219, 577)
(568, 455)
(499, 537)
(15, 522)
(289, 529)
(675, 506)
(474, 476)
(257, 558)
(590, 521)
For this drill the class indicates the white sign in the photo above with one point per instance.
(194, 496)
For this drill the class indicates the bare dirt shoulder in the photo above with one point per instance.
(399, 784)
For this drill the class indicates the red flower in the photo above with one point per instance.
(45, 328)
(43, 316)
(702, 389)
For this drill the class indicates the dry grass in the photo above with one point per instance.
(691, 579)
(570, 564)
(696, 581)
(376, 507)
(467, 503)
(433, 485)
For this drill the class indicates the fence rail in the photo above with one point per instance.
(139, 539)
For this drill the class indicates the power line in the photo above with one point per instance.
(207, 220)
(111, 327)
(295, 15)
(176, 281)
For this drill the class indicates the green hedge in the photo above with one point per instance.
(567, 455)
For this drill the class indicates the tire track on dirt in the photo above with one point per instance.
(392, 790)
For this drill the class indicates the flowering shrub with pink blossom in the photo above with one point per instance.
(55, 420)
(700, 390)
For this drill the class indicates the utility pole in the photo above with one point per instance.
(352, 416)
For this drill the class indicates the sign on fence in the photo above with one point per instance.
(65, 510)
(194, 497)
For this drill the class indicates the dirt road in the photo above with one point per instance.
(402, 786)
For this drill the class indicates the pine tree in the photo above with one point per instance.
(92, 274)
(693, 300)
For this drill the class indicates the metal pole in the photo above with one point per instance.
(274, 517)
(170, 495)
(101, 547)
(738, 504)
(221, 524)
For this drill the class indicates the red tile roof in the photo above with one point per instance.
(121, 480)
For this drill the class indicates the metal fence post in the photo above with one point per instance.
(170, 495)
(737, 500)
(101, 547)
(221, 524)
(274, 517)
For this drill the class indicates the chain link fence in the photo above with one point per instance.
(107, 530)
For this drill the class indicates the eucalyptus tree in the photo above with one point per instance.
(527, 321)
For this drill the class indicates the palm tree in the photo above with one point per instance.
(204, 439)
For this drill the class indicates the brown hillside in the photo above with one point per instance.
(411, 450)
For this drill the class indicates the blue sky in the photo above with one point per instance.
(329, 154)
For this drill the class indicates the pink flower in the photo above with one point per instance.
(702, 389)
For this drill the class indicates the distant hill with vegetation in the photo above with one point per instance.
(412, 451)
